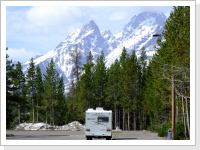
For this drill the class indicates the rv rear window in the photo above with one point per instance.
(103, 119)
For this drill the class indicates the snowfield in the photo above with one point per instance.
(73, 126)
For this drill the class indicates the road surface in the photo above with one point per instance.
(79, 135)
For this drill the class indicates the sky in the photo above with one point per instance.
(36, 30)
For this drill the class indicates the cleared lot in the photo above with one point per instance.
(79, 135)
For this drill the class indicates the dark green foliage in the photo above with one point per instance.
(11, 108)
(86, 83)
(39, 95)
(19, 92)
(163, 131)
(31, 89)
(50, 85)
(113, 85)
(180, 130)
(32, 99)
(61, 106)
(113, 92)
(100, 80)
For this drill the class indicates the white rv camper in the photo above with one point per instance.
(98, 123)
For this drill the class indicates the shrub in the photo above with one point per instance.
(180, 130)
(163, 131)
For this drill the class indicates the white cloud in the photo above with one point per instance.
(52, 16)
(21, 54)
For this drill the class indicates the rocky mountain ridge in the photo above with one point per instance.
(133, 36)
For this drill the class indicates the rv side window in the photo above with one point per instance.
(103, 119)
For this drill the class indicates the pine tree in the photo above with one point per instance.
(39, 95)
(157, 94)
(123, 58)
(143, 61)
(86, 82)
(50, 86)
(75, 76)
(130, 89)
(100, 80)
(19, 84)
(142, 80)
(61, 106)
(113, 91)
(11, 109)
(31, 88)
(77, 68)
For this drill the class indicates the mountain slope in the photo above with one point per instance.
(138, 33)
(134, 35)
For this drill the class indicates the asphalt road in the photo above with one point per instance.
(79, 135)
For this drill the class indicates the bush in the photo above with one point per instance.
(180, 130)
(163, 131)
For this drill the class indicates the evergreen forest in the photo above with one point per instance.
(136, 89)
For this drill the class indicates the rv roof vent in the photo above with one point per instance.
(90, 108)
(99, 108)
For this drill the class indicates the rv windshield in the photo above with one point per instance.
(103, 119)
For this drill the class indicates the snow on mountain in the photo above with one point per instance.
(138, 33)
(133, 36)
(110, 38)
(87, 38)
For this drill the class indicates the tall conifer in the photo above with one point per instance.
(31, 88)
(19, 84)
(50, 85)
(100, 81)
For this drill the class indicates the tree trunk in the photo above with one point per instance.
(53, 116)
(128, 120)
(188, 122)
(19, 116)
(46, 116)
(123, 118)
(33, 111)
(183, 111)
(119, 116)
(37, 111)
(115, 117)
(134, 120)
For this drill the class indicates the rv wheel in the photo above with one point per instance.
(108, 138)
(89, 138)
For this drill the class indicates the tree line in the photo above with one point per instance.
(136, 89)
(115, 88)
(34, 97)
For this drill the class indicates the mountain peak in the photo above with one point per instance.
(106, 32)
(92, 22)
(91, 25)
(158, 18)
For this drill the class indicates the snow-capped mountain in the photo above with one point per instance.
(133, 36)
(138, 33)
(110, 38)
